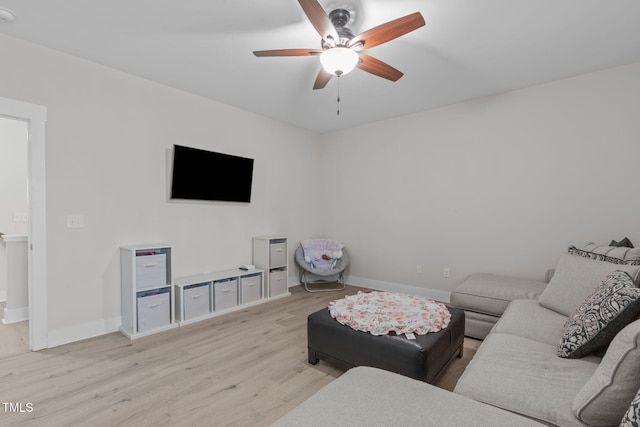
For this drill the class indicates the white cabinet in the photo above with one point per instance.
(226, 291)
(152, 301)
(147, 294)
(270, 253)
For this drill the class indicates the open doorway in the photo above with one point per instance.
(14, 214)
(14, 229)
(34, 117)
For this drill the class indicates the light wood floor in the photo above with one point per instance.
(246, 368)
(14, 338)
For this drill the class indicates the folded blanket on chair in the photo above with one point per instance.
(322, 254)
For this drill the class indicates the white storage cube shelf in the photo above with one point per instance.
(153, 302)
(228, 291)
(147, 297)
(270, 253)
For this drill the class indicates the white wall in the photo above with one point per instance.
(13, 175)
(107, 140)
(501, 184)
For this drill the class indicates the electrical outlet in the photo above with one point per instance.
(419, 269)
(75, 221)
(445, 272)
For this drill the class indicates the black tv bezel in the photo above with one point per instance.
(190, 186)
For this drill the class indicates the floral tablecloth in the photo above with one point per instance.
(382, 312)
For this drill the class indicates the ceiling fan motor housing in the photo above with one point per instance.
(339, 18)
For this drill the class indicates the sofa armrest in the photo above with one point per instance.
(366, 396)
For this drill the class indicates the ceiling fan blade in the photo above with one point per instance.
(322, 79)
(287, 52)
(381, 69)
(388, 31)
(319, 19)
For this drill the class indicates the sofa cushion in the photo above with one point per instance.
(575, 279)
(632, 416)
(366, 397)
(517, 320)
(616, 251)
(614, 255)
(491, 293)
(478, 325)
(613, 305)
(605, 397)
(526, 377)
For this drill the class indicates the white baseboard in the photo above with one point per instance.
(93, 329)
(62, 336)
(14, 315)
(379, 285)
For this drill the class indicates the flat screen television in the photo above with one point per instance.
(207, 175)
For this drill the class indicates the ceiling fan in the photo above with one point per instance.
(340, 47)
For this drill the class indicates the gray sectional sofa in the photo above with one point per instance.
(484, 297)
(516, 378)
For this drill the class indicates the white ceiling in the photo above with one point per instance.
(468, 49)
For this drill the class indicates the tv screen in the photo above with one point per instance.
(206, 175)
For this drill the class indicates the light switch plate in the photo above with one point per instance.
(20, 217)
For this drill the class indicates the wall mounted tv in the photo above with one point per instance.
(207, 175)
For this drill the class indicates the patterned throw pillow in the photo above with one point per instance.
(612, 305)
(600, 257)
(632, 417)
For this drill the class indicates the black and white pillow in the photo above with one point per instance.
(610, 307)
(601, 257)
(632, 417)
(624, 243)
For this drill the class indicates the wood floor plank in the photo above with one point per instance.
(243, 368)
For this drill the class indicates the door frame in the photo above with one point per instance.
(35, 116)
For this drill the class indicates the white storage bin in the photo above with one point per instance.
(278, 253)
(151, 270)
(277, 282)
(196, 301)
(154, 309)
(250, 288)
(225, 294)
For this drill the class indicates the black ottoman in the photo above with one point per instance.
(422, 358)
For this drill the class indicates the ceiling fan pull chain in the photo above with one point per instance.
(338, 111)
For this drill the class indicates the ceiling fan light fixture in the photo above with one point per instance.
(339, 60)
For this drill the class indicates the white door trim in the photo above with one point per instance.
(35, 116)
